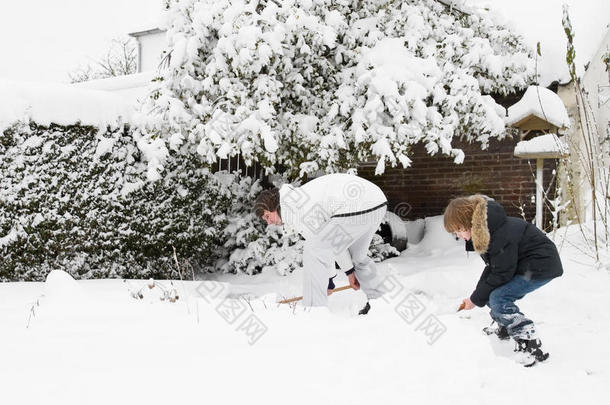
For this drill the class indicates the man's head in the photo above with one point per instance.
(267, 206)
(458, 216)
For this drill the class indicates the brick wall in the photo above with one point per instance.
(431, 181)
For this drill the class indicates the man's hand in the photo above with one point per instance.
(329, 292)
(467, 304)
(353, 281)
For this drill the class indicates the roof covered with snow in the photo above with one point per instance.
(544, 146)
(541, 103)
(46, 103)
(143, 32)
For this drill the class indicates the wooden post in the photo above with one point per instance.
(539, 198)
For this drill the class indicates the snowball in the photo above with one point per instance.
(59, 285)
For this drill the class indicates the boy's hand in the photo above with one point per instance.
(466, 304)
(353, 281)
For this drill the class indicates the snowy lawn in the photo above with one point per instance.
(91, 342)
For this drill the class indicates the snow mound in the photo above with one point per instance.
(436, 238)
(60, 286)
(399, 229)
(46, 103)
(540, 145)
(542, 103)
(142, 79)
(131, 88)
(415, 230)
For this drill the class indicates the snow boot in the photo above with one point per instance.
(500, 331)
(529, 352)
(365, 310)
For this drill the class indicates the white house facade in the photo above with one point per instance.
(152, 48)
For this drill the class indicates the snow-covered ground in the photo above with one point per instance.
(91, 342)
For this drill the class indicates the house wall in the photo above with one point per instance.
(571, 171)
(596, 82)
(574, 171)
(152, 47)
(425, 188)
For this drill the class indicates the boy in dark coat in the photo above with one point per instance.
(519, 258)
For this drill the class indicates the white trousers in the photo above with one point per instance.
(353, 233)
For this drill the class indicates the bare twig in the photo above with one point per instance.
(32, 312)
(186, 299)
(247, 299)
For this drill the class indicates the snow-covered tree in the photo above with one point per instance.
(120, 59)
(321, 85)
(75, 197)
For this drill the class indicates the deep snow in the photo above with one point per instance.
(548, 143)
(91, 342)
(62, 104)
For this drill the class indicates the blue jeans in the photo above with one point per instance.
(506, 313)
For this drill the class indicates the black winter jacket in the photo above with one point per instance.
(509, 246)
